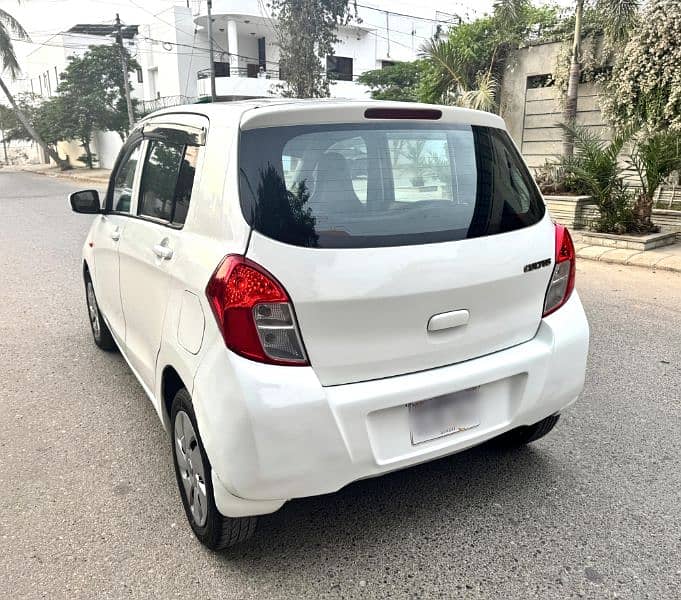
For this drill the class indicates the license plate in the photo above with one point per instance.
(444, 415)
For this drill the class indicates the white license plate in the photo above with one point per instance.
(444, 415)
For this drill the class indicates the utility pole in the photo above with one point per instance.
(124, 65)
(213, 95)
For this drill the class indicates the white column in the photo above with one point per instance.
(233, 47)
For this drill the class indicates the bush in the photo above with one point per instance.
(617, 215)
(645, 89)
(655, 157)
(594, 170)
(552, 180)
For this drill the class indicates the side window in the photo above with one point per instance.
(167, 180)
(125, 175)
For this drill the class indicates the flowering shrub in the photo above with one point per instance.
(645, 89)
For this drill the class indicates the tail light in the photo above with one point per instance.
(254, 313)
(563, 277)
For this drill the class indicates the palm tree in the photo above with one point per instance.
(466, 68)
(8, 62)
(449, 80)
(618, 17)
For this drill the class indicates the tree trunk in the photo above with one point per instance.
(570, 113)
(643, 212)
(85, 144)
(63, 164)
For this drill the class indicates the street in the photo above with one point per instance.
(89, 506)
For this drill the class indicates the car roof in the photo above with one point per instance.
(269, 112)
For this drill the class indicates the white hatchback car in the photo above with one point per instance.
(312, 293)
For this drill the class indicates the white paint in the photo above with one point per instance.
(192, 323)
(233, 44)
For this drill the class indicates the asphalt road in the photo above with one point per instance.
(89, 507)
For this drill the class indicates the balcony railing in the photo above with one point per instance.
(147, 106)
(240, 72)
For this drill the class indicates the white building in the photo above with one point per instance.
(247, 57)
(175, 58)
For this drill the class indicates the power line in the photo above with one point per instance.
(88, 46)
(146, 38)
(399, 14)
(392, 41)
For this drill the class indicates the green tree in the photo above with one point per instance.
(465, 66)
(617, 18)
(8, 62)
(93, 96)
(307, 32)
(396, 82)
(45, 115)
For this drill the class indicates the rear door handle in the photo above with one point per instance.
(162, 251)
(448, 320)
(116, 234)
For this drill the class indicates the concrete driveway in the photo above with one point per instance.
(89, 506)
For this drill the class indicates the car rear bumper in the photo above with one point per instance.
(274, 433)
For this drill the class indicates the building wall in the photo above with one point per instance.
(166, 55)
(360, 46)
(107, 145)
(532, 114)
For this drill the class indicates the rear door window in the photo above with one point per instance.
(383, 184)
(167, 181)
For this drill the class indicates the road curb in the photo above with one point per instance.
(64, 175)
(632, 258)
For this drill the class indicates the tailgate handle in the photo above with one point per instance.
(448, 320)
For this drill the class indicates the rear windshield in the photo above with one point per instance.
(383, 184)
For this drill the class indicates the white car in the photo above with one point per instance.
(315, 292)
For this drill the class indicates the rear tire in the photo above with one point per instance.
(100, 331)
(193, 474)
(527, 434)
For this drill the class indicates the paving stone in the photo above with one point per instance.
(593, 252)
(646, 259)
(670, 263)
(619, 255)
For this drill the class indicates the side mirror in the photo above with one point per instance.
(86, 202)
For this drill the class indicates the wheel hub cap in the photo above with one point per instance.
(190, 467)
(92, 309)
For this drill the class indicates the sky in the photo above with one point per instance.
(43, 18)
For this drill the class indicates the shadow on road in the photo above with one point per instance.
(458, 493)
